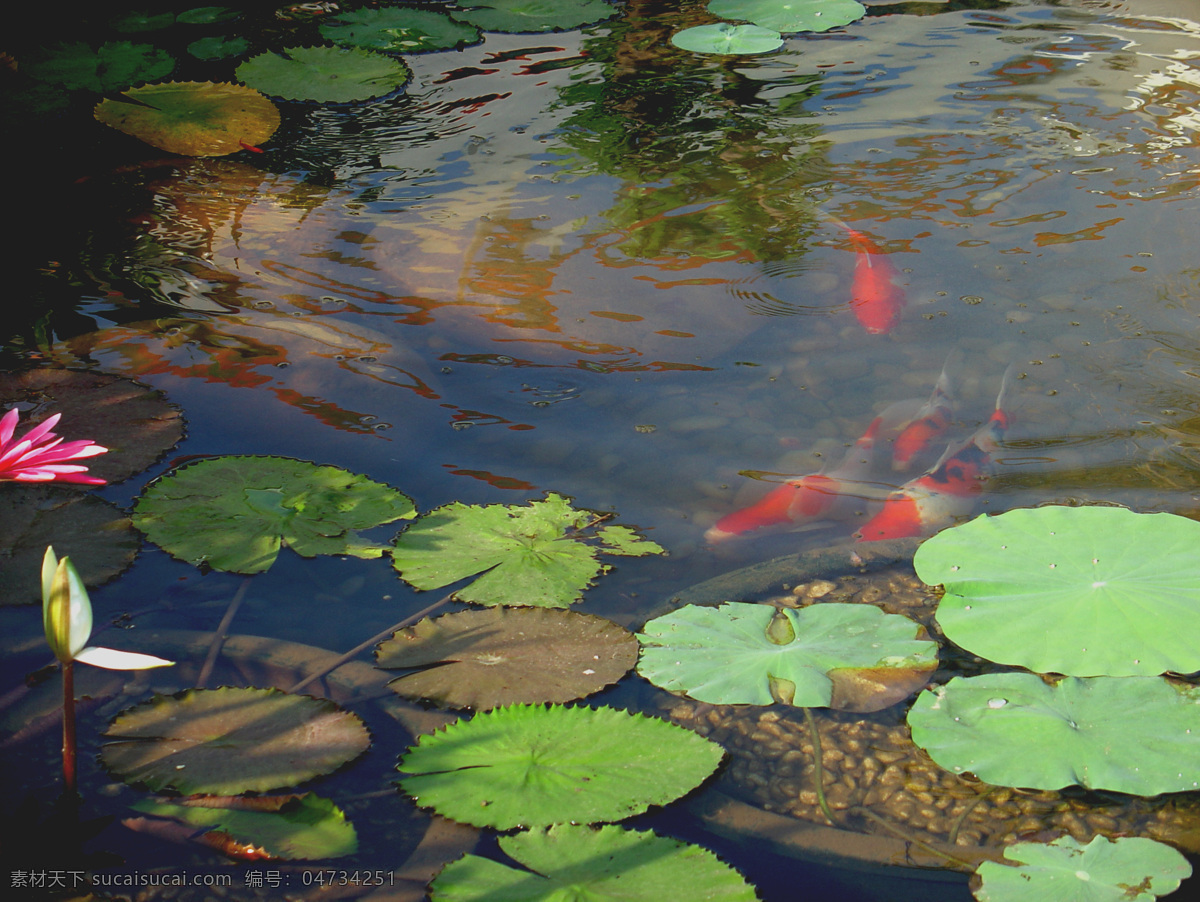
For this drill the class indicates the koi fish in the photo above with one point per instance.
(875, 297)
(927, 426)
(948, 490)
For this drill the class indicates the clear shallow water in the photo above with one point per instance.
(591, 264)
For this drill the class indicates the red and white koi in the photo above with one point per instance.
(949, 489)
(927, 426)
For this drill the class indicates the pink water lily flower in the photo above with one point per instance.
(41, 456)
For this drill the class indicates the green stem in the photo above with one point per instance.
(915, 840)
(818, 768)
(962, 818)
(68, 746)
(219, 637)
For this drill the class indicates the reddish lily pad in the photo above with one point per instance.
(502, 656)
(197, 119)
(228, 741)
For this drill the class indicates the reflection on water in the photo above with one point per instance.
(415, 288)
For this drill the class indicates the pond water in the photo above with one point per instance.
(590, 263)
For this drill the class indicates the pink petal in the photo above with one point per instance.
(41, 428)
(8, 425)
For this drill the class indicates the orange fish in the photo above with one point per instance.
(875, 297)
(927, 426)
(948, 490)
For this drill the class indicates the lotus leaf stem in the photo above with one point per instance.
(962, 817)
(903, 834)
(818, 769)
(219, 637)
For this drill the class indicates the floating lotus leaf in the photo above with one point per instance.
(1139, 735)
(521, 16)
(136, 423)
(533, 555)
(111, 67)
(235, 513)
(298, 827)
(1127, 869)
(218, 48)
(723, 37)
(228, 741)
(792, 15)
(609, 864)
(848, 656)
(399, 29)
(1085, 591)
(324, 74)
(503, 656)
(528, 765)
(207, 15)
(196, 119)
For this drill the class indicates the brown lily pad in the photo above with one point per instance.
(507, 655)
(228, 741)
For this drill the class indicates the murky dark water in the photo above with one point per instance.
(590, 263)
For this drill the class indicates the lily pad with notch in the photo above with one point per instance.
(852, 657)
(231, 740)
(727, 38)
(531, 765)
(532, 555)
(325, 74)
(235, 513)
(606, 864)
(1085, 591)
(501, 656)
(1126, 734)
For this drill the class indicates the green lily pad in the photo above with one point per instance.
(208, 15)
(848, 656)
(524, 16)
(566, 863)
(111, 67)
(534, 555)
(399, 29)
(1127, 869)
(790, 15)
(235, 513)
(218, 48)
(1139, 735)
(503, 656)
(196, 119)
(324, 74)
(228, 741)
(301, 827)
(726, 38)
(1085, 591)
(528, 765)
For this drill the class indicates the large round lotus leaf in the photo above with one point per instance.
(528, 765)
(137, 424)
(848, 656)
(96, 535)
(503, 656)
(531, 555)
(1086, 591)
(115, 65)
(324, 74)
(609, 864)
(234, 513)
(399, 29)
(792, 15)
(723, 37)
(193, 118)
(1139, 735)
(1127, 869)
(290, 827)
(229, 741)
(520, 16)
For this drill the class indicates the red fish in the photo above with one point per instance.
(926, 427)
(948, 490)
(875, 297)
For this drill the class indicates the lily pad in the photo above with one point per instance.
(136, 423)
(399, 29)
(527, 765)
(300, 827)
(503, 656)
(1084, 591)
(324, 74)
(196, 119)
(852, 657)
(111, 67)
(228, 741)
(218, 48)
(790, 15)
(1127, 869)
(726, 38)
(524, 16)
(608, 864)
(534, 555)
(1139, 735)
(235, 513)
